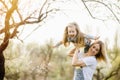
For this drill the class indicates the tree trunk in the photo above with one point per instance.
(2, 59)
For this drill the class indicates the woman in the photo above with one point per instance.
(85, 64)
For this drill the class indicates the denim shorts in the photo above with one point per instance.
(78, 74)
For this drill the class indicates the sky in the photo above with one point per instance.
(71, 11)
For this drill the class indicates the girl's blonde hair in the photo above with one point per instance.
(80, 36)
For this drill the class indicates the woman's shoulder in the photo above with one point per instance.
(92, 58)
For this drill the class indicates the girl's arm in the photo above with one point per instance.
(76, 62)
(91, 37)
(58, 44)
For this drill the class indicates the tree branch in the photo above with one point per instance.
(102, 4)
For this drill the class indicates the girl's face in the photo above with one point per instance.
(72, 31)
(94, 49)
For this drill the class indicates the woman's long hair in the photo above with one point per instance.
(101, 56)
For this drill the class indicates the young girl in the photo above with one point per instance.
(87, 62)
(72, 34)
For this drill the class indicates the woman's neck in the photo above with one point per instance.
(87, 54)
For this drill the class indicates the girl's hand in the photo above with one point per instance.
(97, 37)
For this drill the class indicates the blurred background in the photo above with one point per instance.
(36, 25)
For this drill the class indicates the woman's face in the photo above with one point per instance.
(94, 49)
(72, 31)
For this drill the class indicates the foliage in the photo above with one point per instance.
(42, 61)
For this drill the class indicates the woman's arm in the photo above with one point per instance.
(71, 53)
(76, 62)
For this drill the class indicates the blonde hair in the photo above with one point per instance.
(80, 36)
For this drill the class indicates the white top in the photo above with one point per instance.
(90, 67)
